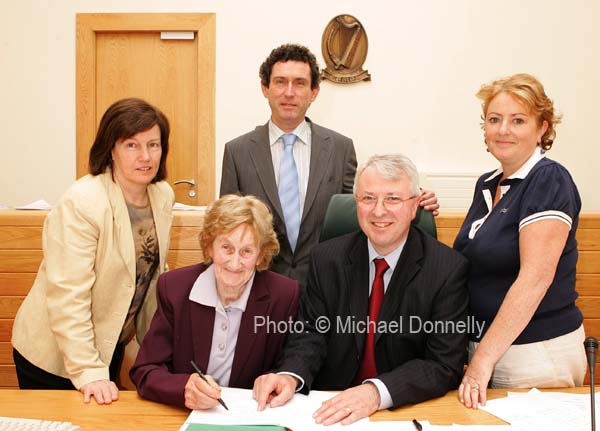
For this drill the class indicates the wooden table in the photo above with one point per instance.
(133, 413)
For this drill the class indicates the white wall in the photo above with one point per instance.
(427, 59)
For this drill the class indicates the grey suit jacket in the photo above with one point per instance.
(248, 170)
(423, 353)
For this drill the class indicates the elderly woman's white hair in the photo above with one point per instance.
(392, 167)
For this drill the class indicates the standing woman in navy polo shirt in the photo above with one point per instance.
(519, 236)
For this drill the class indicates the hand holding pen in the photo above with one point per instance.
(201, 391)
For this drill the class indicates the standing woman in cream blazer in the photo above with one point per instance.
(104, 246)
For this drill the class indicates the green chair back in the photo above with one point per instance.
(340, 218)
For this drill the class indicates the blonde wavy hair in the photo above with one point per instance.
(231, 211)
(530, 92)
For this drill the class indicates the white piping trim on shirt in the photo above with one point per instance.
(546, 215)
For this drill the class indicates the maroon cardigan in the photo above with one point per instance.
(181, 331)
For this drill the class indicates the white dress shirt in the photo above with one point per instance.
(301, 154)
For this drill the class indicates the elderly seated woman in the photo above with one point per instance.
(214, 313)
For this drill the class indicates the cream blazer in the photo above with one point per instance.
(70, 321)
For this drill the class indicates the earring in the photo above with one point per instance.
(539, 144)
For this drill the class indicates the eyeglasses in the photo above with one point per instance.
(389, 202)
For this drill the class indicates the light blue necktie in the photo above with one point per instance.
(289, 194)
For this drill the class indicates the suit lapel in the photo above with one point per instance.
(260, 153)
(320, 154)
(123, 233)
(357, 285)
(203, 322)
(258, 304)
(407, 267)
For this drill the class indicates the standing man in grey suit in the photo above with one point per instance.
(384, 310)
(298, 183)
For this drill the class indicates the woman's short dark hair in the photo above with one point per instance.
(122, 120)
(289, 52)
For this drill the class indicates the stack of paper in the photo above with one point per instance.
(548, 411)
(40, 204)
(183, 207)
(295, 415)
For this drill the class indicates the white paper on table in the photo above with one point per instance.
(296, 414)
(541, 410)
(458, 427)
(40, 204)
(183, 207)
(4, 207)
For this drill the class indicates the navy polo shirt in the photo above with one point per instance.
(489, 237)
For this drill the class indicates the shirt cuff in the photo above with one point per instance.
(385, 399)
(300, 379)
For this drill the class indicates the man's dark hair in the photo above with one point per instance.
(122, 120)
(288, 52)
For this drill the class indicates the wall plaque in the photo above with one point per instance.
(345, 47)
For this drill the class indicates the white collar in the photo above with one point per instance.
(302, 132)
(390, 258)
(524, 170)
(204, 291)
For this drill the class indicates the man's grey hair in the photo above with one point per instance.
(392, 167)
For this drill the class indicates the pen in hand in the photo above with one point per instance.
(201, 374)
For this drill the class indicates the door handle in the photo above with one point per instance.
(192, 183)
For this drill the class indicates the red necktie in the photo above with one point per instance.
(368, 369)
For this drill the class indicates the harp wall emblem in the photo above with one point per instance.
(345, 45)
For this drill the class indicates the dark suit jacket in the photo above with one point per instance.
(248, 170)
(429, 284)
(181, 331)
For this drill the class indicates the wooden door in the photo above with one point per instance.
(123, 55)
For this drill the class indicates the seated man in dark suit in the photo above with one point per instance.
(384, 311)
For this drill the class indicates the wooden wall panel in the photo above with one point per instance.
(446, 235)
(6, 356)
(188, 218)
(185, 238)
(8, 376)
(20, 256)
(22, 218)
(21, 237)
(589, 306)
(588, 284)
(20, 260)
(592, 326)
(589, 262)
(180, 258)
(9, 306)
(588, 239)
(15, 283)
(6, 329)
